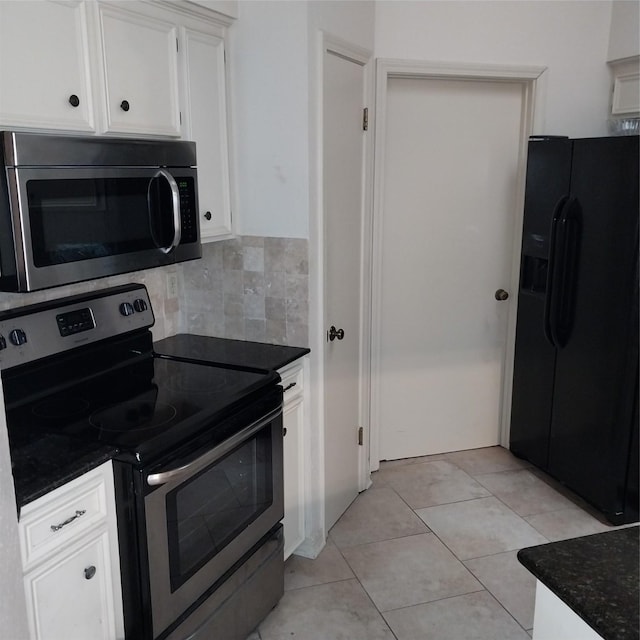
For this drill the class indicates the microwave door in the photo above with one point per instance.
(90, 222)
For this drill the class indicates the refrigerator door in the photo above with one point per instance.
(596, 370)
(546, 193)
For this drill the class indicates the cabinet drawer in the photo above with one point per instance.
(292, 382)
(61, 516)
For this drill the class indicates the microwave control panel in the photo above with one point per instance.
(188, 209)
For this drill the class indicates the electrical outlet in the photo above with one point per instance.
(172, 285)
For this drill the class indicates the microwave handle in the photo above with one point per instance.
(175, 205)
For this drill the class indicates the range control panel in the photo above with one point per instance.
(41, 330)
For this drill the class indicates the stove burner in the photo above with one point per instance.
(65, 407)
(208, 381)
(133, 415)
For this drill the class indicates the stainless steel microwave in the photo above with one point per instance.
(75, 208)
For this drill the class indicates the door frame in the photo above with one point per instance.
(314, 460)
(533, 82)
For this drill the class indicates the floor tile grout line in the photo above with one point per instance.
(382, 518)
(492, 594)
(355, 575)
(455, 595)
(506, 611)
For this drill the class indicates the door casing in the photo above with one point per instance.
(314, 448)
(532, 80)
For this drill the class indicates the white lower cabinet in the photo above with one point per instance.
(555, 620)
(71, 597)
(294, 480)
(71, 565)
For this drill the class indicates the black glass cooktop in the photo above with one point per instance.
(143, 408)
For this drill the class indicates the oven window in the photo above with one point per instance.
(208, 511)
(85, 218)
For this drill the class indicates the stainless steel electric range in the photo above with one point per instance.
(197, 452)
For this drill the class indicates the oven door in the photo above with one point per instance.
(72, 224)
(208, 511)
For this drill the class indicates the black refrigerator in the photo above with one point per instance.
(574, 410)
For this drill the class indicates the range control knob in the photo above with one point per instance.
(17, 337)
(139, 305)
(126, 309)
(3, 343)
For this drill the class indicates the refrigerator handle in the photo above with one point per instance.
(563, 299)
(552, 280)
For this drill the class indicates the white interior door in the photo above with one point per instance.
(343, 145)
(451, 162)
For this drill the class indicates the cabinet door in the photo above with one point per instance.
(293, 476)
(71, 596)
(206, 124)
(44, 65)
(140, 69)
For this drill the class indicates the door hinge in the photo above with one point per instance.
(360, 436)
(365, 119)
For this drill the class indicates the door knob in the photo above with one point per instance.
(335, 333)
(501, 295)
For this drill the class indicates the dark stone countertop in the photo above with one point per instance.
(42, 462)
(243, 354)
(597, 576)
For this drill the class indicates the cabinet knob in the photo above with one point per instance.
(74, 101)
(207, 215)
(124, 105)
(284, 431)
(89, 572)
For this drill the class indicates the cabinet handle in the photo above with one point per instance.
(284, 431)
(207, 215)
(74, 101)
(89, 572)
(289, 386)
(124, 105)
(57, 527)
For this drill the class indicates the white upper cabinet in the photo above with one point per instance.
(140, 72)
(205, 122)
(135, 68)
(44, 66)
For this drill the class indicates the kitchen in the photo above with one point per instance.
(272, 55)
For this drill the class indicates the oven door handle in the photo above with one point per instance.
(155, 479)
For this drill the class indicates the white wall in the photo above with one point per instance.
(268, 57)
(272, 60)
(13, 613)
(624, 40)
(569, 37)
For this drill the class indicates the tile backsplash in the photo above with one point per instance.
(166, 310)
(250, 288)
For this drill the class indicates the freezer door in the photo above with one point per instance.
(596, 370)
(547, 190)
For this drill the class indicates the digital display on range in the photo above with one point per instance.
(76, 321)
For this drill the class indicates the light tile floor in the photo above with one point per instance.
(428, 552)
